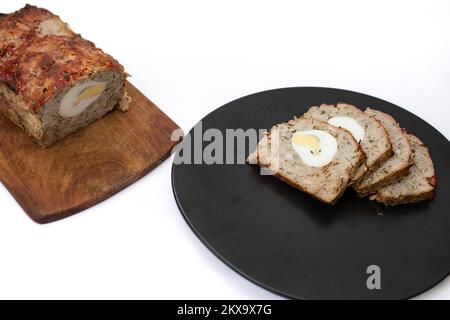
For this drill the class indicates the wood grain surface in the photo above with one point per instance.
(87, 167)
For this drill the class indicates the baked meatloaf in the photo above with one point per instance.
(52, 81)
(326, 182)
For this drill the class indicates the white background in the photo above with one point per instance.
(191, 57)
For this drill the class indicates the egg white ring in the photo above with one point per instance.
(351, 125)
(328, 147)
(68, 109)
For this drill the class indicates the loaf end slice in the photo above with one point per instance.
(326, 184)
(419, 185)
(395, 167)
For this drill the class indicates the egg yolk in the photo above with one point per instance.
(91, 92)
(309, 141)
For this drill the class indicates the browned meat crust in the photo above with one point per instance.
(16, 28)
(47, 64)
(36, 65)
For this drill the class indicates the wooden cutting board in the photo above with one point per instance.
(89, 166)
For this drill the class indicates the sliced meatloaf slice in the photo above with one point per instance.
(327, 183)
(394, 168)
(375, 144)
(52, 81)
(418, 185)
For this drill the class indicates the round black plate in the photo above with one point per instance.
(295, 246)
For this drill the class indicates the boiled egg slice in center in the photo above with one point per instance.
(351, 125)
(316, 148)
(80, 97)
